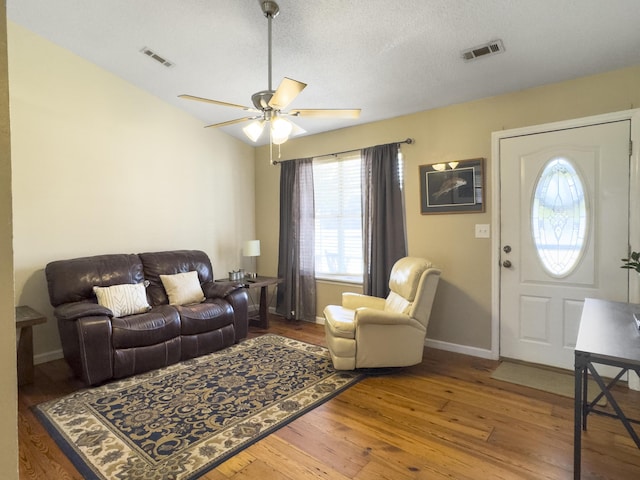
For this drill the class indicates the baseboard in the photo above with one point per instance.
(47, 357)
(450, 347)
(440, 345)
(457, 348)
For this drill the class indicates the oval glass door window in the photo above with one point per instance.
(559, 217)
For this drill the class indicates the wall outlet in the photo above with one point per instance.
(483, 230)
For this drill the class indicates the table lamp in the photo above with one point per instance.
(251, 248)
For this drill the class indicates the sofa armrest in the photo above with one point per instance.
(76, 310)
(86, 343)
(96, 349)
(239, 300)
(237, 296)
(219, 289)
(352, 301)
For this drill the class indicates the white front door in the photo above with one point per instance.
(564, 216)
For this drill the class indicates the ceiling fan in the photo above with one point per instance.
(269, 105)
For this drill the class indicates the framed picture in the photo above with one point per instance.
(452, 187)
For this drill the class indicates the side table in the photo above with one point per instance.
(26, 318)
(262, 319)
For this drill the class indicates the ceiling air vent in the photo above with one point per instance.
(492, 48)
(151, 54)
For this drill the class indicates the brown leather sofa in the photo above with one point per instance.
(100, 346)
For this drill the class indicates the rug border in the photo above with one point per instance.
(85, 469)
(357, 378)
(78, 460)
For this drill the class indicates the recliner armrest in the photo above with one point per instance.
(352, 301)
(368, 316)
(76, 310)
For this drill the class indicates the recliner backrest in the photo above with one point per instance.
(412, 282)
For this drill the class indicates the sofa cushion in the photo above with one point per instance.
(160, 324)
(131, 361)
(204, 317)
(183, 288)
(123, 300)
(73, 280)
(169, 263)
(203, 343)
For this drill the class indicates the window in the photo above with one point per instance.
(338, 217)
(559, 217)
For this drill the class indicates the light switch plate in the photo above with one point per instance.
(482, 230)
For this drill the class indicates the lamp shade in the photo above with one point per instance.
(254, 130)
(280, 130)
(251, 248)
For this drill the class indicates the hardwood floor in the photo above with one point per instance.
(445, 418)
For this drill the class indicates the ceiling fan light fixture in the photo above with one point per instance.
(269, 104)
(281, 128)
(254, 130)
(297, 129)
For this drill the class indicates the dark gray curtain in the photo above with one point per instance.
(296, 298)
(383, 218)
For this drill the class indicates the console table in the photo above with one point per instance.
(26, 318)
(262, 319)
(608, 335)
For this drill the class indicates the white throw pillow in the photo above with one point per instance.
(183, 288)
(123, 300)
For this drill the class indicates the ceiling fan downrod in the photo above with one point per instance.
(271, 11)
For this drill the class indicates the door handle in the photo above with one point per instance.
(506, 264)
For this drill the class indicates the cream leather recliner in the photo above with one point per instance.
(370, 332)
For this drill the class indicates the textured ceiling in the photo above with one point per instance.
(388, 58)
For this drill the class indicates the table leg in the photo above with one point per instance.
(585, 395)
(25, 356)
(264, 318)
(578, 405)
(614, 404)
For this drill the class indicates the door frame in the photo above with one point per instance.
(634, 201)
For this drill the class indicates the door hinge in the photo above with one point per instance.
(630, 147)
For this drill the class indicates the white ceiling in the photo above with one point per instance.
(389, 58)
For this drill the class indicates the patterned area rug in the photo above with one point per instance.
(182, 421)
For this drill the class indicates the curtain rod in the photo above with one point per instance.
(408, 141)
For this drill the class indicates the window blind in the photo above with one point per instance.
(338, 217)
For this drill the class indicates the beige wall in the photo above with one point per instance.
(99, 166)
(8, 380)
(462, 310)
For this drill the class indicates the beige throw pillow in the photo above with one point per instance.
(123, 300)
(183, 288)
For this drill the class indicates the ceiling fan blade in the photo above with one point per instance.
(216, 102)
(326, 112)
(231, 122)
(286, 92)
